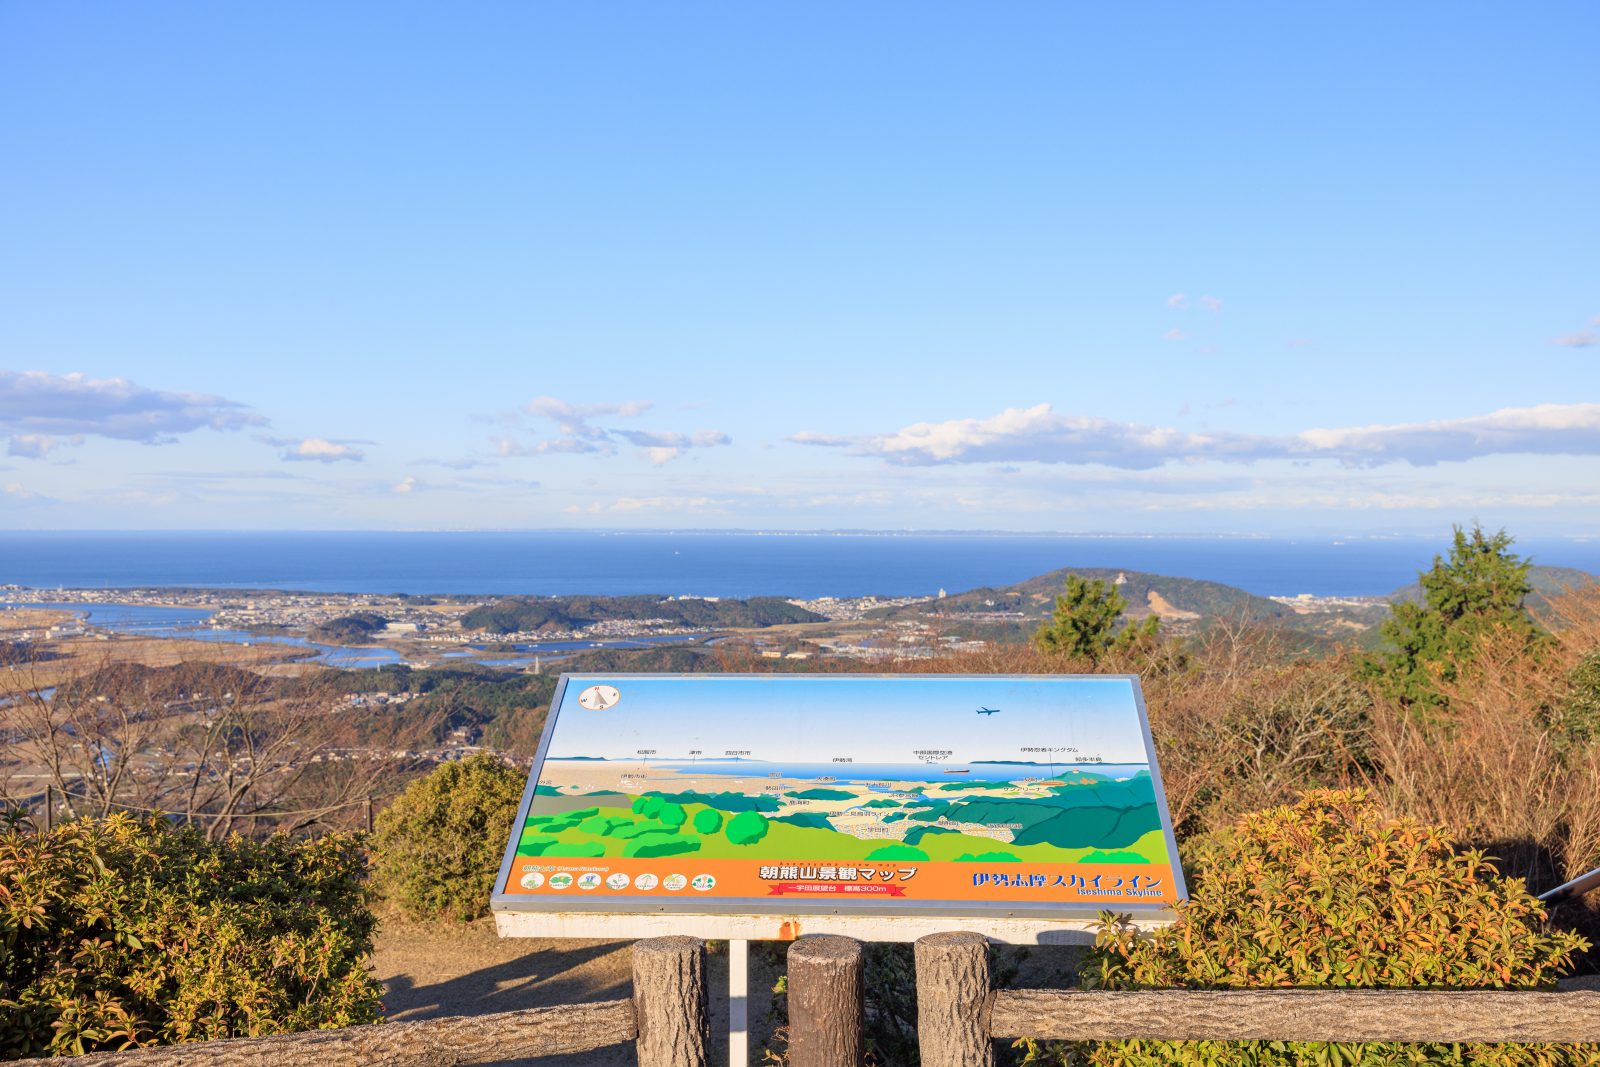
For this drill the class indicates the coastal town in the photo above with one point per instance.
(429, 631)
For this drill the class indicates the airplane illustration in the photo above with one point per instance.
(988, 711)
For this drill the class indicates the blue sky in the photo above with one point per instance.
(810, 719)
(1184, 268)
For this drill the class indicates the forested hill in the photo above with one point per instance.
(1171, 598)
(533, 614)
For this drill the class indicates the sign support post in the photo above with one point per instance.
(738, 1003)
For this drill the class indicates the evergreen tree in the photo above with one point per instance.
(1085, 622)
(1480, 588)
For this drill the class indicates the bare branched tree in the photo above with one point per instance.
(226, 748)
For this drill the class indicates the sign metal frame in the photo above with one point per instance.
(519, 915)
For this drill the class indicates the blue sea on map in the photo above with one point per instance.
(711, 564)
(900, 772)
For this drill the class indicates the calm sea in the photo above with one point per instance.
(903, 772)
(707, 564)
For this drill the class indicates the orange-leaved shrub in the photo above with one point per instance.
(438, 846)
(1329, 892)
(118, 932)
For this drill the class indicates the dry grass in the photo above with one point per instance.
(1499, 767)
(71, 657)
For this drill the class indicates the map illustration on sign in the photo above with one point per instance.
(794, 793)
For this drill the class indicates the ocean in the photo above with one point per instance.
(709, 564)
(935, 773)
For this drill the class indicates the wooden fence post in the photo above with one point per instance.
(368, 806)
(825, 992)
(953, 1000)
(669, 998)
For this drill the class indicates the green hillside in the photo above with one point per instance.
(535, 614)
(349, 629)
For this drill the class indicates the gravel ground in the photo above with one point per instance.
(433, 970)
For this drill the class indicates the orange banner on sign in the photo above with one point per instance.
(683, 878)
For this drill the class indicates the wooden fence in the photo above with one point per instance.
(959, 1017)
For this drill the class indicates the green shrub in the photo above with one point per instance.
(119, 932)
(746, 828)
(438, 846)
(1329, 892)
(1577, 720)
(707, 821)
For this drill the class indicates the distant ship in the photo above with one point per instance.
(961, 771)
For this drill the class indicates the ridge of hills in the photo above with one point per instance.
(1188, 603)
(1172, 598)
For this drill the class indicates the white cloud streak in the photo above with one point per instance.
(1038, 434)
(317, 449)
(579, 436)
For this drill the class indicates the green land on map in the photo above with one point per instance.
(1076, 817)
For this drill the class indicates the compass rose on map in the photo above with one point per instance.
(599, 697)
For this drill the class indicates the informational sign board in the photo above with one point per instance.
(769, 804)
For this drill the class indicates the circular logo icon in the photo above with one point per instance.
(589, 881)
(599, 697)
(646, 881)
(532, 880)
(674, 882)
(560, 881)
(703, 882)
(617, 881)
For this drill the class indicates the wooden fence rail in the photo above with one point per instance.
(959, 1017)
(426, 1043)
(667, 1016)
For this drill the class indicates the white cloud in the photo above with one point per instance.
(579, 436)
(1178, 301)
(1545, 429)
(408, 484)
(1580, 339)
(1211, 303)
(1038, 434)
(509, 448)
(825, 440)
(18, 493)
(1175, 334)
(550, 407)
(317, 449)
(664, 447)
(38, 409)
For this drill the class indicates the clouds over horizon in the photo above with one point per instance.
(1040, 435)
(40, 411)
(578, 435)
